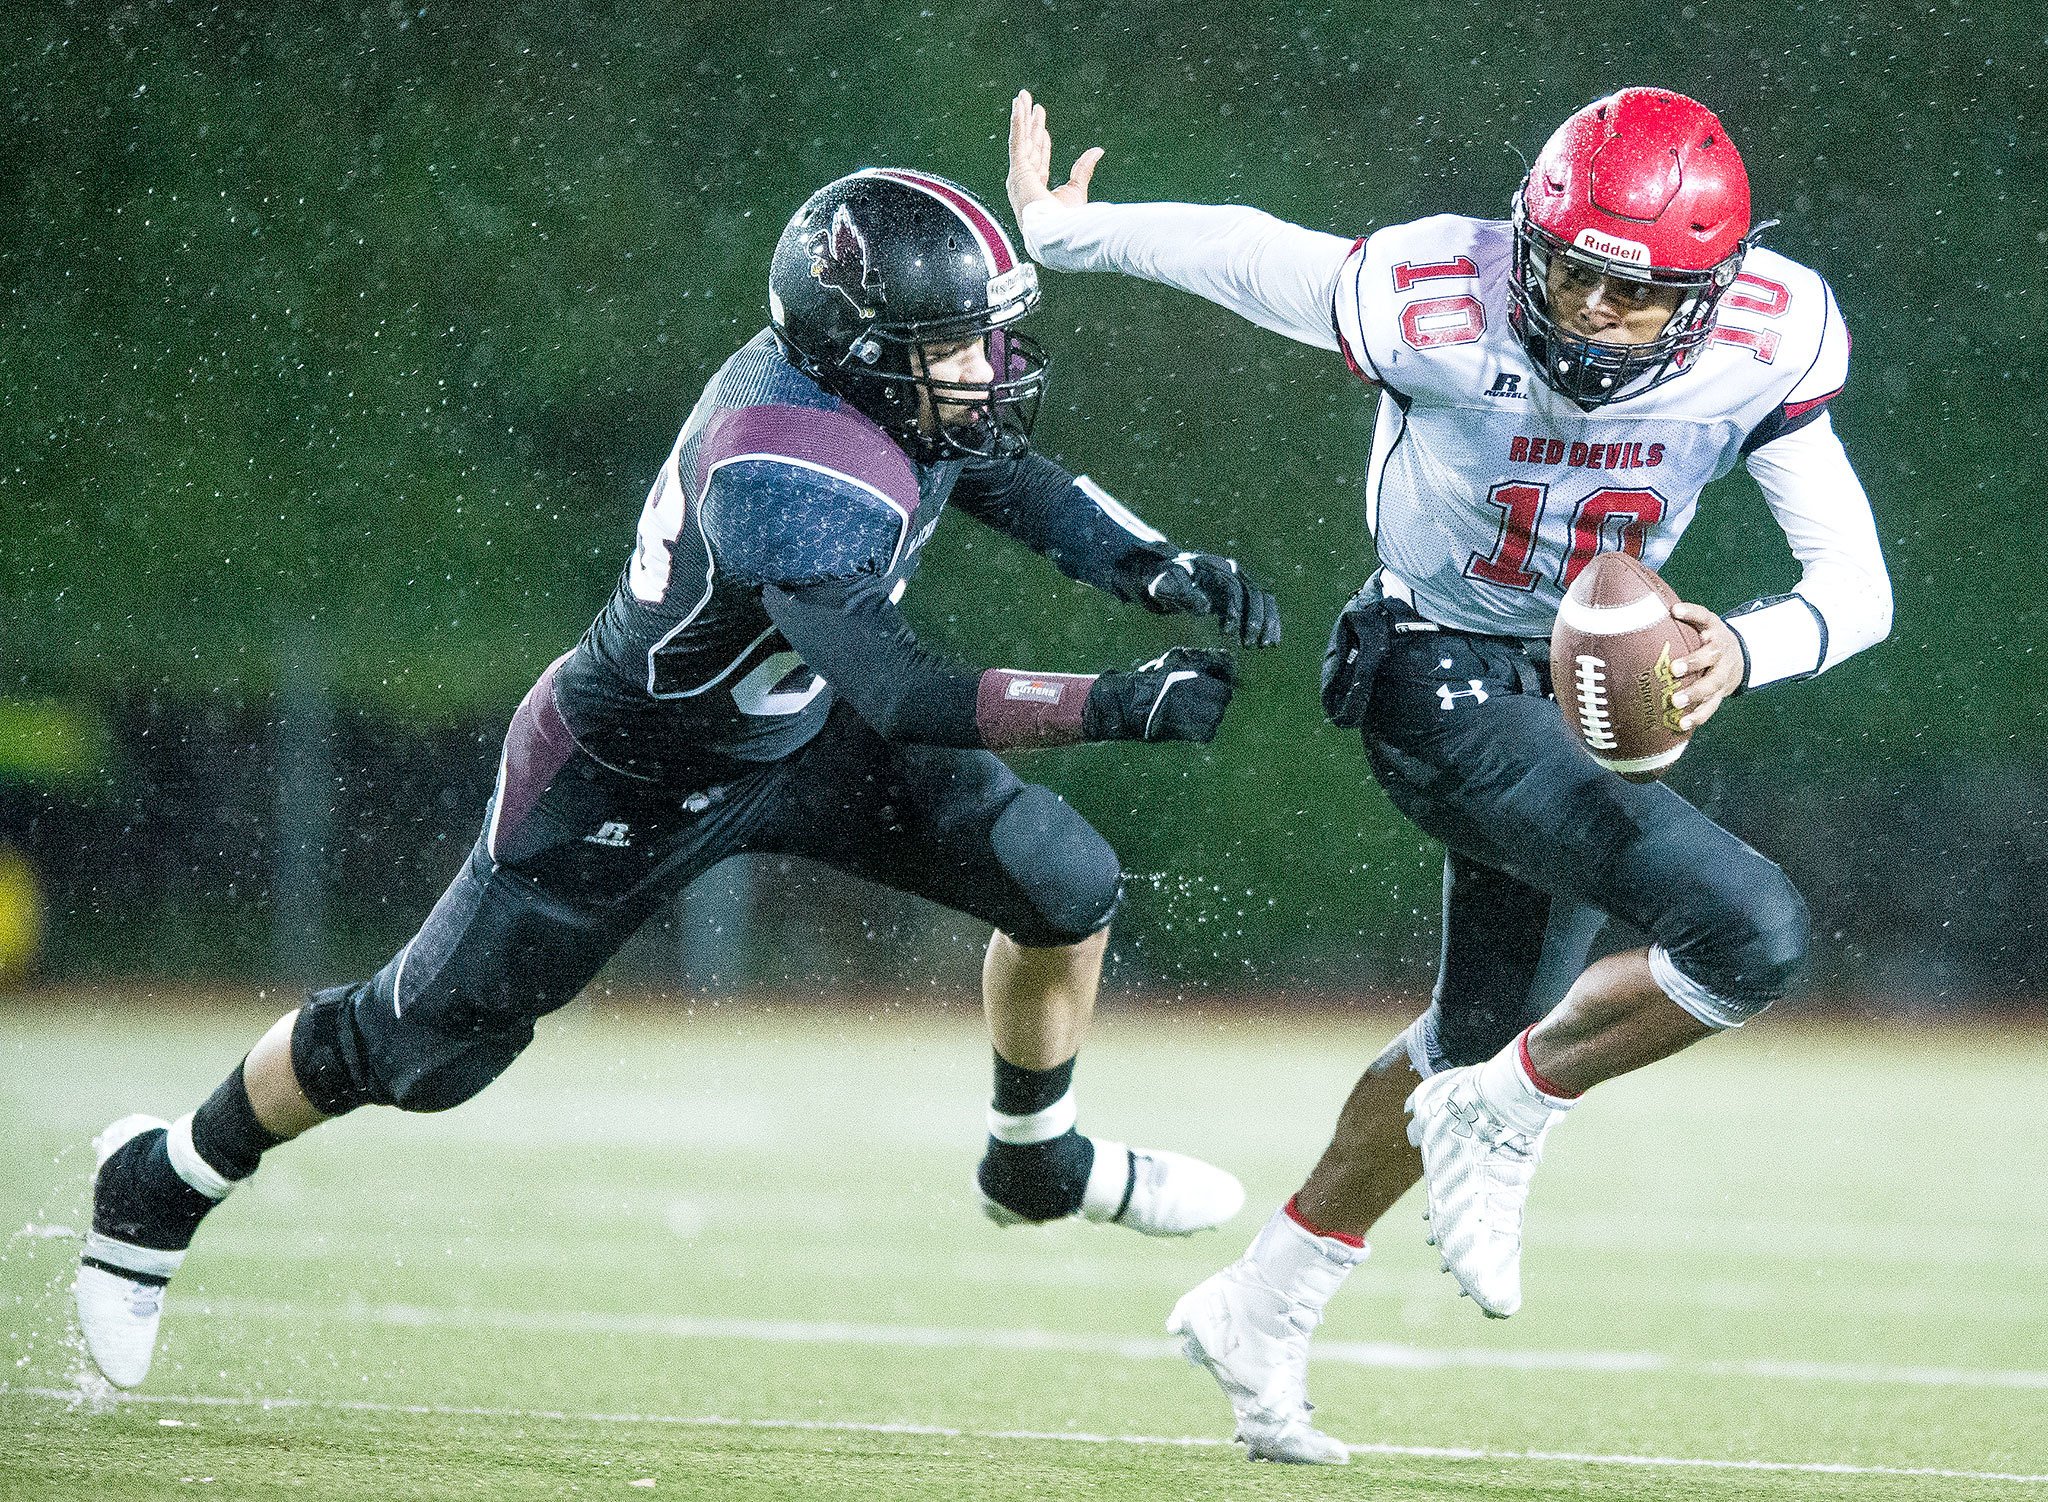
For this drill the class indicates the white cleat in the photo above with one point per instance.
(1476, 1170)
(1253, 1340)
(1158, 1193)
(120, 1287)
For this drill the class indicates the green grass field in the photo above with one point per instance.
(732, 1253)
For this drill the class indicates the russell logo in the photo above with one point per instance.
(1507, 384)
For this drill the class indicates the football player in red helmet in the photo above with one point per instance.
(1632, 225)
(1554, 385)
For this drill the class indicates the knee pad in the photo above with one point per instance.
(1744, 955)
(449, 1071)
(1773, 955)
(327, 1053)
(1068, 872)
(349, 1050)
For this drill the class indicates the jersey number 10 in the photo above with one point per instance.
(1611, 520)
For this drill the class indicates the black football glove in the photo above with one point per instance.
(1206, 584)
(1179, 695)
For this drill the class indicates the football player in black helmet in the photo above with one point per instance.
(899, 292)
(752, 686)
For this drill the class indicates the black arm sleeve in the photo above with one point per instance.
(854, 638)
(1046, 508)
(850, 633)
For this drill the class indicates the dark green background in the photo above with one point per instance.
(357, 334)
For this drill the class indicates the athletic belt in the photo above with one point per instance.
(1394, 587)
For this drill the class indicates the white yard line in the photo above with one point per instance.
(938, 1431)
(1375, 1354)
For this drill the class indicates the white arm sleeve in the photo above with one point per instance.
(1843, 602)
(1280, 276)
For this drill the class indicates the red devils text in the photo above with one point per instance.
(1585, 455)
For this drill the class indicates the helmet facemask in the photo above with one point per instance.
(941, 419)
(1584, 369)
(877, 279)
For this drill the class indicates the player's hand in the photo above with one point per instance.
(1031, 160)
(1205, 584)
(1711, 672)
(1179, 695)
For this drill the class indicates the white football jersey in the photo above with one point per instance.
(1488, 491)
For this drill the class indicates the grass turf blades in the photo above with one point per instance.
(736, 1254)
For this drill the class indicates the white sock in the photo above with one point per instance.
(188, 1165)
(1289, 1257)
(1041, 1126)
(1508, 1092)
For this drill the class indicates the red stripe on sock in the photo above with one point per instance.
(1294, 1214)
(1548, 1087)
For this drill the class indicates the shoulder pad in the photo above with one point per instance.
(1776, 295)
(792, 495)
(1413, 290)
(1779, 326)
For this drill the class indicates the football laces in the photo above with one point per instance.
(1589, 681)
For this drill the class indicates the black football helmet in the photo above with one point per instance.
(881, 264)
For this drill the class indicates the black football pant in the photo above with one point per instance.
(576, 856)
(1543, 845)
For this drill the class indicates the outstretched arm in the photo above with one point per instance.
(1278, 275)
(850, 633)
(1089, 535)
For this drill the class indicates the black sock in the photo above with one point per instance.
(139, 1198)
(1026, 1092)
(1038, 1180)
(226, 1132)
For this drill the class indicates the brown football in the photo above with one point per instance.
(1610, 664)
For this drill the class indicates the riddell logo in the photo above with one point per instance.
(1507, 383)
(1615, 250)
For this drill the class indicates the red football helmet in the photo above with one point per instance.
(1643, 185)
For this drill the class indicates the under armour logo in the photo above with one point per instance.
(1464, 1116)
(615, 836)
(1507, 384)
(1450, 696)
(1469, 1119)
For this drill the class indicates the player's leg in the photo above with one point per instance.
(516, 935)
(1508, 952)
(417, 1036)
(1730, 935)
(1038, 1001)
(959, 828)
(1507, 787)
